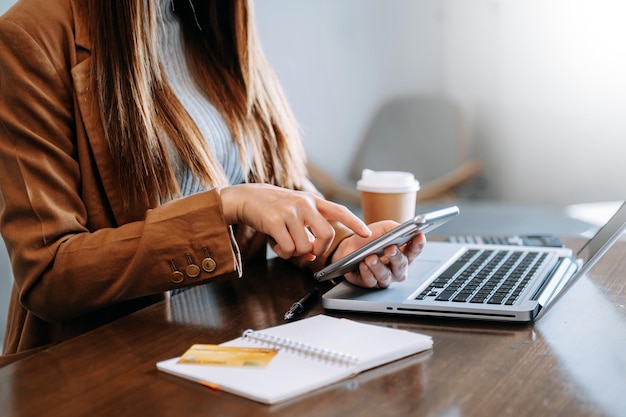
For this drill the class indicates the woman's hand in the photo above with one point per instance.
(380, 271)
(296, 220)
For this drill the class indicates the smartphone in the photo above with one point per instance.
(422, 223)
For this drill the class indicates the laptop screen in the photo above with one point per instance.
(604, 238)
(591, 252)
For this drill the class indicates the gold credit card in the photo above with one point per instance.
(216, 355)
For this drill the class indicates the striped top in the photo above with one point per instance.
(209, 121)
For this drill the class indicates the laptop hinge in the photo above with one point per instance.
(558, 278)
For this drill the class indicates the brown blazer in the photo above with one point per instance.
(79, 258)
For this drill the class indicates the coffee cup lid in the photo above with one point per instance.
(387, 182)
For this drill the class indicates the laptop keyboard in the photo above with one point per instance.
(491, 276)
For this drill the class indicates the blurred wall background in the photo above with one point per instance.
(541, 82)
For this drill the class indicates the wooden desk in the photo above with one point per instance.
(572, 362)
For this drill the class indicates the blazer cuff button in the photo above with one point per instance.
(192, 270)
(208, 264)
(177, 277)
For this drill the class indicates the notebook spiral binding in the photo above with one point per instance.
(300, 348)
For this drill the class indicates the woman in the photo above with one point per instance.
(146, 146)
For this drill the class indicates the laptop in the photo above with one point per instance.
(481, 281)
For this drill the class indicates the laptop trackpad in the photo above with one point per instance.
(419, 271)
(422, 269)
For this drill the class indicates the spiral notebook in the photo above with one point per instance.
(312, 353)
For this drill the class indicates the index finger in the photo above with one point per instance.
(337, 212)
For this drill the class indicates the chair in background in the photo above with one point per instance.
(421, 134)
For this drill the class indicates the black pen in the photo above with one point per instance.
(302, 304)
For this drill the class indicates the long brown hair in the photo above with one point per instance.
(140, 113)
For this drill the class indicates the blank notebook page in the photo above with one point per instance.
(321, 350)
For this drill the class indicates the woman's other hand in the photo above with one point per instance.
(380, 271)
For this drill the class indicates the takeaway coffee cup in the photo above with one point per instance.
(387, 195)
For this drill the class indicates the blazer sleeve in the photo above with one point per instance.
(65, 263)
